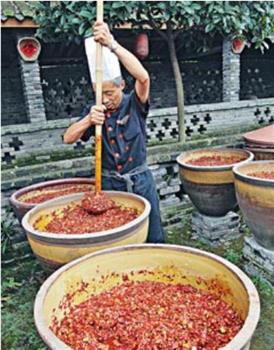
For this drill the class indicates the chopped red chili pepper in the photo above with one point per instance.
(149, 315)
(215, 160)
(263, 174)
(50, 192)
(74, 219)
(97, 203)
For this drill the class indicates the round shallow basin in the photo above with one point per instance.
(56, 249)
(256, 200)
(183, 263)
(211, 187)
(21, 208)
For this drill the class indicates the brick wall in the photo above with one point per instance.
(19, 141)
(257, 73)
(13, 109)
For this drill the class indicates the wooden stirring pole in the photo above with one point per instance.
(98, 203)
(99, 79)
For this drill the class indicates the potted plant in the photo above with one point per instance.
(29, 48)
(238, 44)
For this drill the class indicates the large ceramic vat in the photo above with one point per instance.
(20, 208)
(54, 249)
(211, 188)
(256, 200)
(261, 153)
(183, 263)
(261, 143)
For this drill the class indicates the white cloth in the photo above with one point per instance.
(111, 66)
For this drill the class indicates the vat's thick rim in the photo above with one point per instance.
(251, 139)
(242, 338)
(14, 201)
(252, 179)
(79, 238)
(183, 164)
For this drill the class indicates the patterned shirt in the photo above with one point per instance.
(123, 134)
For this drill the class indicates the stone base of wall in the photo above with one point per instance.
(215, 231)
(259, 262)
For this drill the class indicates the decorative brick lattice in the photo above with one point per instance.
(202, 81)
(66, 90)
(16, 143)
(13, 103)
(7, 158)
(79, 146)
(162, 127)
(257, 76)
(264, 115)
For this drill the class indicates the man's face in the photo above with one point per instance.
(111, 94)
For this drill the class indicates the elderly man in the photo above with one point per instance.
(123, 117)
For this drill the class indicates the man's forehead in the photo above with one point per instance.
(106, 85)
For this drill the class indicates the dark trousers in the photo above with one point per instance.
(144, 186)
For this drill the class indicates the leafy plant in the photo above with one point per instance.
(20, 284)
(263, 286)
(233, 255)
(6, 236)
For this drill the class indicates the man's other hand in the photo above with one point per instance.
(102, 34)
(96, 115)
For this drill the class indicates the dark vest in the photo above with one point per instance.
(124, 135)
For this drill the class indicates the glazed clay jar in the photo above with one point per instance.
(207, 178)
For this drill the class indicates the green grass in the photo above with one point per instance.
(20, 284)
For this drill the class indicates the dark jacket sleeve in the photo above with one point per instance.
(91, 130)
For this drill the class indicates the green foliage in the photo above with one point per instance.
(252, 20)
(10, 284)
(233, 255)
(263, 286)
(73, 20)
(20, 284)
(7, 231)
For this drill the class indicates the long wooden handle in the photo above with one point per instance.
(99, 79)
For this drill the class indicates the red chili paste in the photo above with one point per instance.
(76, 220)
(215, 160)
(263, 175)
(97, 203)
(49, 192)
(149, 316)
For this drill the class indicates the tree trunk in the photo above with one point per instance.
(178, 82)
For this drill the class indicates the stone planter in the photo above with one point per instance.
(183, 263)
(20, 208)
(211, 188)
(54, 250)
(256, 200)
